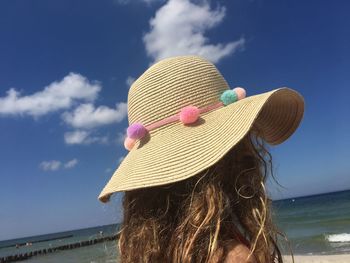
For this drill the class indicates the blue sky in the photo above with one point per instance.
(65, 70)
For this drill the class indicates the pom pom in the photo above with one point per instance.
(129, 143)
(189, 114)
(228, 97)
(136, 131)
(240, 92)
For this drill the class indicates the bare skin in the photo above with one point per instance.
(237, 253)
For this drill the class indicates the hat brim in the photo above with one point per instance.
(176, 152)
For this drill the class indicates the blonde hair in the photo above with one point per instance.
(191, 220)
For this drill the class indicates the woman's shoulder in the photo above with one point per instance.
(239, 253)
(236, 253)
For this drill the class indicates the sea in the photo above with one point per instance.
(314, 225)
(318, 224)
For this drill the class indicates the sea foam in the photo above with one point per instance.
(338, 238)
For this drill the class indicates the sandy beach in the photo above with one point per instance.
(319, 259)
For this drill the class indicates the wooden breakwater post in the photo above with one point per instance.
(27, 255)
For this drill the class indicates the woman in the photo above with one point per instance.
(194, 179)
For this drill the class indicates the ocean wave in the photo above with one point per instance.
(338, 238)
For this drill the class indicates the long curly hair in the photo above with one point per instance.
(195, 219)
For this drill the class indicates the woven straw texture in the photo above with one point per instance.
(175, 151)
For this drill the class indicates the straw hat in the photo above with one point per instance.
(169, 142)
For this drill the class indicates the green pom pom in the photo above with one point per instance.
(228, 97)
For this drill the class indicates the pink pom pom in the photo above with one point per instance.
(136, 131)
(240, 93)
(129, 143)
(189, 114)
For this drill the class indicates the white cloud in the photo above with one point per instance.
(178, 28)
(129, 81)
(53, 165)
(58, 95)
(75, 137)
(87, 116)
(70, 164)
(83, 137)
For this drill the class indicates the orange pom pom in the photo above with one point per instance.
(241, 93)
(129, 143)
